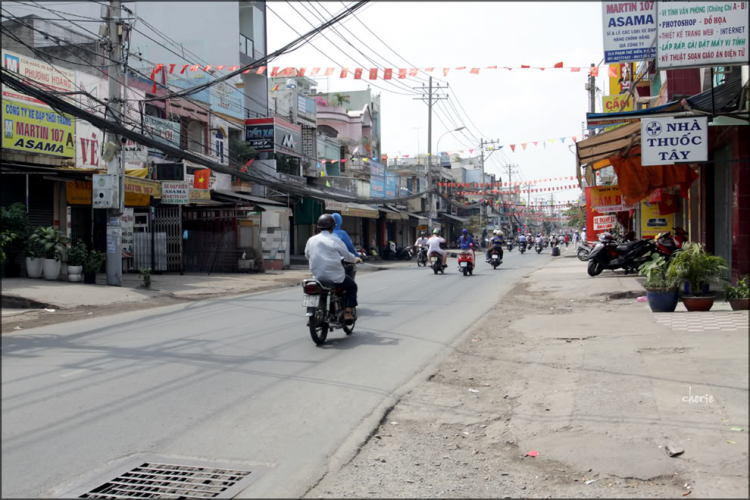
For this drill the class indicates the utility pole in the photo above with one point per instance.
(482, 144)
(591, 87)
(116, 165)
(431, 175)
(509, 169)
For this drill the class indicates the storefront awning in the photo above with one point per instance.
(452, 217)
(393, 214)
(351, 209)
(262, 203)
(602, 146)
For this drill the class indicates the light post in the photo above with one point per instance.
(430, 172)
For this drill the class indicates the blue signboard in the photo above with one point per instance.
(391, 185)
(227, 99)
(377, 180)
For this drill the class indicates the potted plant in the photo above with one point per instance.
(15, 228)
(696, 266)
(77, 255)
(52, 244)
(738, 296)
(661, 288)
(34, 258)
(91, 265)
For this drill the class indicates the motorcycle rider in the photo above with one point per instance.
(344, 236)
(496, 244)
(434, 245)
(324, 252)
(422, 241)
(522, 239)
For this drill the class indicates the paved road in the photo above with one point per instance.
(234, 379)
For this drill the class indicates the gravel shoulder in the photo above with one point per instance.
(598, 404)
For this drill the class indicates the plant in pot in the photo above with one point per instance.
(91, 266)
(77, 255)
(661, 288)
(34, 258)
(52, 244)
(738, 296)
(696, 266)
(15, 229)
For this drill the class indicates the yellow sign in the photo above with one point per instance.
(652, 222)
(34, 129)
(199, 194)
(142, 186)
(616, 104)
(79, 193)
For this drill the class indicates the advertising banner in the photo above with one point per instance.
(37, 129)
(667, 141)
(391, 185)
(705, 33)
(629, 31)
(616, 104)
(608, 199)
(604, 222)
(259, 133)
(164, 131)
(227, 99)
(79, 193)
(620, 77)
(175, 193)
(127, 222)
(39, 72)
(652, 221)
(377, 180)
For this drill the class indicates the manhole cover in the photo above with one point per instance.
(168, 478)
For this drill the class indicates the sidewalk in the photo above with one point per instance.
(28, 303)
(576, 369)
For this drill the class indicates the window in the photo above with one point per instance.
(220, 145)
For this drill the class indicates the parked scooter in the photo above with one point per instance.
(669, 243)
(610, 254)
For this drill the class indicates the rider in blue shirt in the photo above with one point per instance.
(496, 243)
(343, 236)
(465, 240)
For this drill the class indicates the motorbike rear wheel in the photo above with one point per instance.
(350, 329)
(318, 329)
(466, 271)
(595, 268)
(583, 255)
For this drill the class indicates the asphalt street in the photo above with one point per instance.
(228, 380)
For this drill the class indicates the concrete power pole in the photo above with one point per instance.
(431, 175)
(116, 165)
(592, 96)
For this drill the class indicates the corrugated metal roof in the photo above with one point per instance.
(726, 98)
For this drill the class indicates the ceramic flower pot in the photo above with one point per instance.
(34, 267)
(662, 301)
(52, 269)
(698, 303)
(740, 304)
(75, 273)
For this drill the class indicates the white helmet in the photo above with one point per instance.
(499, 233)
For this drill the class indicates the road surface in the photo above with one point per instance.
(229, 380)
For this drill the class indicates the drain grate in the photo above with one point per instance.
(169, 479)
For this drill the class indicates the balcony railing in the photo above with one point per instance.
(247, 46)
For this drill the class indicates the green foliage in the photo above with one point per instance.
(576, 216)
(49, 242)
(339, 99)
(94, 261)
(473, 225)
(241, 150)
(656, 271)
(741, 291)
(145, 273)
(14, 221)
(5, 238)
(77, 254)
(696, 266)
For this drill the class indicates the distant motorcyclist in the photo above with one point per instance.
(434, 245)
(465, 240)
(422, 240)
(521, 239)
(496, 244)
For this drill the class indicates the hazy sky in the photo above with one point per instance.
(522, 105)
(511, 106)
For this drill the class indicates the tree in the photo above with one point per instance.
(576, 216)
(241, 150)
(339, 99)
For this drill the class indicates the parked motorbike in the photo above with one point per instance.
(583, 252)
(324, 301)
(611, 254)
(422, 256)
(405, 253)
(362, 253)
(466, 261)
(667, 244)
(495, 259)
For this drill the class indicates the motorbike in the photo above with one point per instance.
(324, 301)
(362, 253)
(510, 246)
(422, 256)
(495, 259)
(435, 263)
(405, 253)
(667, 244)
(522, 247)
(546, 243)
(583, 252)
(466, 261)
(611, 254)
(538, 247)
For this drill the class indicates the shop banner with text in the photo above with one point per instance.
(35, 129)
(629, 31)
(652, 221)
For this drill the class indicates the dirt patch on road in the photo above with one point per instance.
(467, 430)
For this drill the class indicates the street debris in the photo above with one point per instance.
(394, 423)
(475, 391)
(532, 453)
(475, 340)
(642, 299)
(740, 429)
(673, 449)
(50, 310)
(591, 481)
(686, 493)
(18, 328)
(731, 442)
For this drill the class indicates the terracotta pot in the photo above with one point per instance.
(698, 303)
(740, 304)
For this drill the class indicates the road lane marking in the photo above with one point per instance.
(70, 374)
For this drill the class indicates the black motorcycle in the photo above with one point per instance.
(510, 246)
(324, 302)
(422, 256)
(538, 247)
(495, 259)
(522, 247)
(611, 254)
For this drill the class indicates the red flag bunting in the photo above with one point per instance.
(402, 73)
(374, 74)
(357, 74)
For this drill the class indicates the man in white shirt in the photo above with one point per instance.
(324, 252)
(434, 244)
(422, 240)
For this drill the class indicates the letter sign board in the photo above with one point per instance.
(667, 141)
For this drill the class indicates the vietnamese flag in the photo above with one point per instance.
(201, 179)
(669, 204)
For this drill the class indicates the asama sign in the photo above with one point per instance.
(34, 129)
(629, 31)
(666, 141)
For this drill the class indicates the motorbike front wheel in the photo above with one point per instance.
(583, 255)
(318, 328)
(595, 268)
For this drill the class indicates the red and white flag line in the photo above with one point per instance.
(357, 73)
(519, 186)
